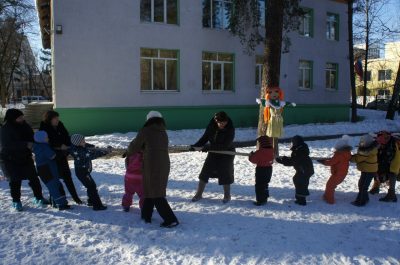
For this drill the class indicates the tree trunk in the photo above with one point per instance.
(395, 97)
(272, 52)
(351, 61)
(367, 31)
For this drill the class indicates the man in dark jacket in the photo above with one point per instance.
(60, 141)
(302, 163)
(16, 156)
(219, 133)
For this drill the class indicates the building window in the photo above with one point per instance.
(384, 75)
(217, 13)
(159, 11)
(332, 27)
(218, 71)
(306, 27)
(331, 76)
(158, 70)
(259, 70)
(368, 75)
(305, 74)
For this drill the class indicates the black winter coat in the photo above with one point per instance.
(217, 165)
(16, 157)
(385, 156)
(300, 160)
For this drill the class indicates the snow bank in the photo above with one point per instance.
(373, 121)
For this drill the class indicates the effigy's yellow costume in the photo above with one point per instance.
(273, 109)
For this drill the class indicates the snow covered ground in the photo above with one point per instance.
(373, 121)
(280, 232)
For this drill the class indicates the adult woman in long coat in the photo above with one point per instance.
(16, 157)
(220, 133)
(60, 141)
(152, 140)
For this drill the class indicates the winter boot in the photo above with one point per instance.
(126, 209)
(227, 194)
(17, 206)
(391, 195)
(169, 225)
(39, 202)
(260, 203)
(200, 189)
(375, 187)
(64, 207)
(301, 200)
(99, 208)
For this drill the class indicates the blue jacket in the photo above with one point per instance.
(83, 157)
(44, 156)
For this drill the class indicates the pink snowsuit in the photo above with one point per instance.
(133, 180)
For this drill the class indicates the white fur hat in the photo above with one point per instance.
(153, 114)
(366, 140)
(342, 142)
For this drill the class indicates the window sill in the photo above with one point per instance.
(305, 37)
(305, 89)
(216, 29)
(217, 92)
(331, 89)
(159, 24)
(159, 91)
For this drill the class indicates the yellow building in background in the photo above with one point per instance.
(381, 73)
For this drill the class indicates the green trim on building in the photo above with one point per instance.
(90, 121)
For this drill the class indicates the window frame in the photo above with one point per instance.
(165, 59)
(259, 68)
(310, 12)
(211, 2)
(165, 13)
(385, 73)
(337, 20)
(302, 88)
(222, 63)
(336, 76)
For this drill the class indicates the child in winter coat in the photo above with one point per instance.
(367, 162)
(83, 156)
(263, 158)
(302, 163)
(133, 181)
(388, 165)
(48, 171)
(339, 164)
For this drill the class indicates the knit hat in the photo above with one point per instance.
(264, 141)
(76, 139)
(153, 114)
(366, 140)
(297, 140)
(383, 137)
(40, 137)
(12, 115)
(342, 142)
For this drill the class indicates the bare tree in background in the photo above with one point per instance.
(369, 31)
(16, 19)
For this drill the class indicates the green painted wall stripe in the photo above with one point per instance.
(90, 121)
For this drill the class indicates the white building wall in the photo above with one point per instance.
(97, 58)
